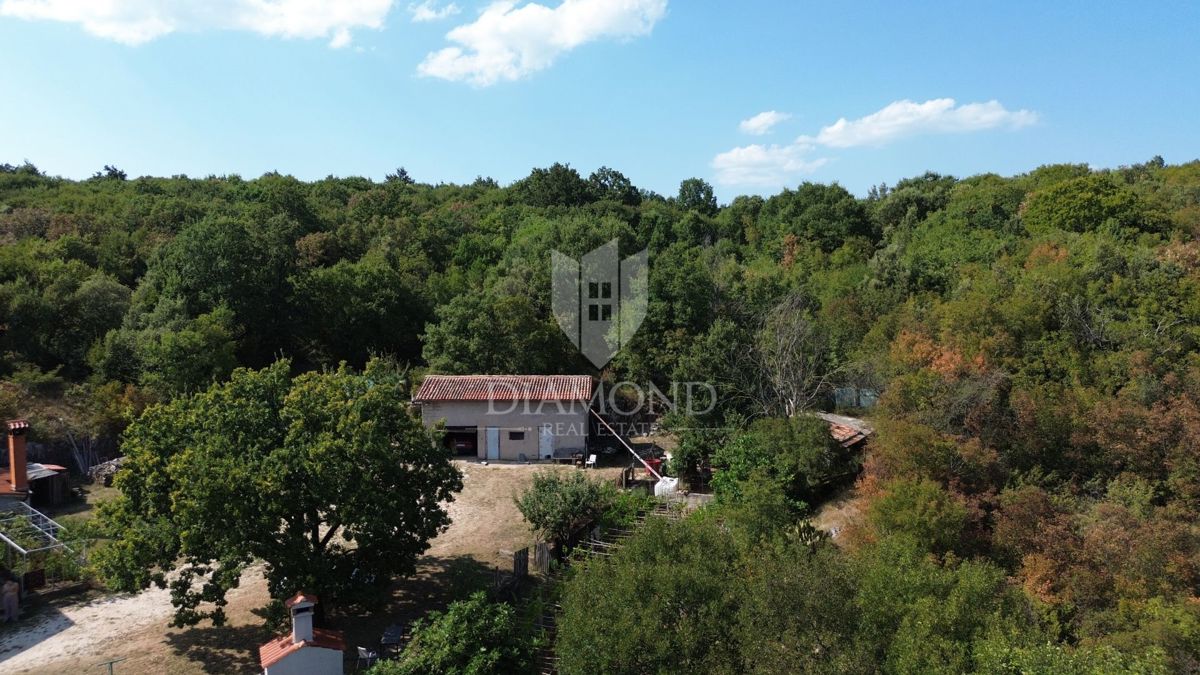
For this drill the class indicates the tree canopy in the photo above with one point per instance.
(1027, 347)
(327, 478)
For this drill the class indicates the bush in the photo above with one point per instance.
(662, 603)
(556, 504)
(997, 658)
(472, 637)
(623, 509)
(921, 616)
(921, 511)
(798, 454)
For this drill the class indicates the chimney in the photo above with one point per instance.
(17, 470)
(301, 606)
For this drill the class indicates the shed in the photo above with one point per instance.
(508, 416)
(306, 650)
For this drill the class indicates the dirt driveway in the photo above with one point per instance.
(75, 636)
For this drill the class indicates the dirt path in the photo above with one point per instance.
(65, 637)
(78, 631)
(74, 636)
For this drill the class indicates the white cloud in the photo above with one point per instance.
(135, 22)
(776, 165)
(428, 10)
(508, 42)
(762, 122)
(765, 165)
(907, 118)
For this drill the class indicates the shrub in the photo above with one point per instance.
(556, 504)
(798, 454)
(472, 637)
(662, 603)
(919, 510)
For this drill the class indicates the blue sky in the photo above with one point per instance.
(655, 88)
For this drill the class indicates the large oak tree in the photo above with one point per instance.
(327, 478)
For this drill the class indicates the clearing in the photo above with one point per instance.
(77, 634)
(843, 509)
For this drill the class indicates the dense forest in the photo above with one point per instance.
(1032, 489)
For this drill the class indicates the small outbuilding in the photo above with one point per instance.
(40, 485)
(849, 432)
(508, 417)
(307, 650)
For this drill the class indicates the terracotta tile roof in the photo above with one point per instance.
(271, 653)
(505, 388)
(845, 435)
(6, 488)
(848, 431)
(299, 598)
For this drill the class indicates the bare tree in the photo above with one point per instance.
(1091, 325)
(787, 368)
(83, 446)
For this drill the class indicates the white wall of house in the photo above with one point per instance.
(519, 424)
(308, 660)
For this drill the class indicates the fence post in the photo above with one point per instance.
(541, 557)
(521, 563)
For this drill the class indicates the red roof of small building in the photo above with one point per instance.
(272, 652)
(6, 488)
(505, 388)
(845, 435)
(848, 431)
(299, 598)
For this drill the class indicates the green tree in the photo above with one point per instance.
(826, 214)
(695, 194)
(797, 454)
(611, 185)
(662, 603)
(472, 637)
(559, 185)
(919, 616)
(223, 262)
(1086, 203)
(797, 612)
(920, 510)
(327, 478)
(352, 310)
(200, 352)
(556, 504)
(494, 334)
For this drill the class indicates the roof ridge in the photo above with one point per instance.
(437, 387)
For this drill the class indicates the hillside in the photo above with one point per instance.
(1032, 490)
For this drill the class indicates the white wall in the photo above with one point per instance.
(308, 661)
(567, 419)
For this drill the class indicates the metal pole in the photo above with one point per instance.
(110, 664)
(627, 446)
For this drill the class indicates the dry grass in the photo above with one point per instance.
(75, 636)
(840, 514)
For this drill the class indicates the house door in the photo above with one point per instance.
(493, 443)
(545, 442)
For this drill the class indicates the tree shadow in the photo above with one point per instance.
(220, 649)
(438, 581)
(36, 625)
